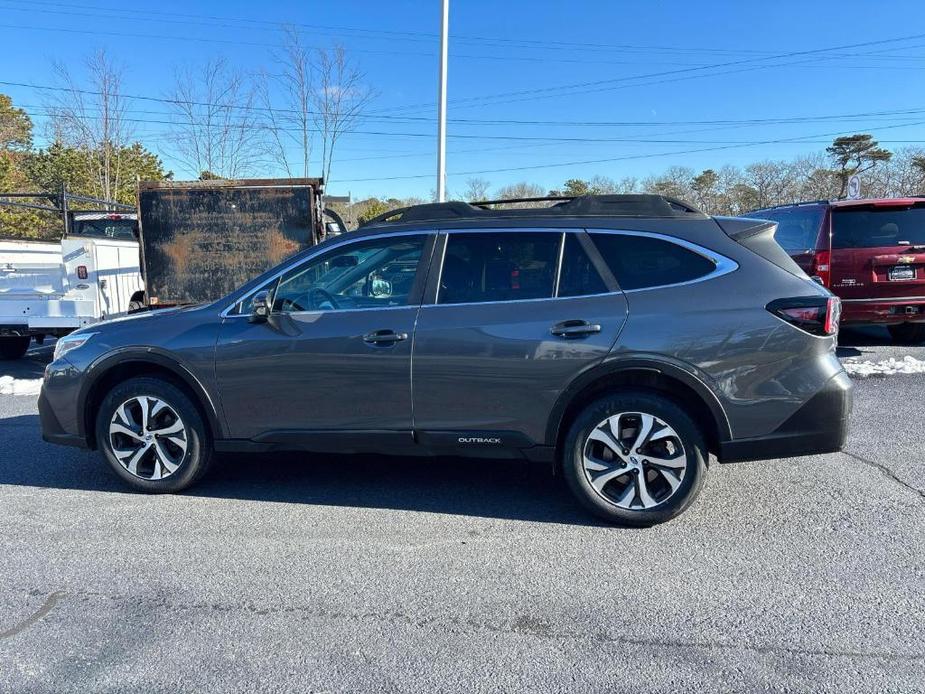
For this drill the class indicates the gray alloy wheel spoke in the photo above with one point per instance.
(678, 463)
(643, 489)
(147, 428)
(644, 477)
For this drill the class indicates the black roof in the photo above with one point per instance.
(640, 206)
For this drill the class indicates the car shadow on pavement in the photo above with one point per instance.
(505, 489)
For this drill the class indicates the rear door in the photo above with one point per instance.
(878, 251)
(504, 332)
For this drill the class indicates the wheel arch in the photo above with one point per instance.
(641, 374)
(122, 366)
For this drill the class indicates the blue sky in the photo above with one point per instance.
(699, 84)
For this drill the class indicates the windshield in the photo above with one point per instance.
(873, 228)
(123, 229)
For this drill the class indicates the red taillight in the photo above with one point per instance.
(822, 267)
(816, 315)
(81, 272)
(114, 216)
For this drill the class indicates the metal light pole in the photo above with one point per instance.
(441, 109)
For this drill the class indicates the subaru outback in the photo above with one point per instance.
(620, 339)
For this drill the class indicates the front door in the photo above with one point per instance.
(334, 357)
(508, 332)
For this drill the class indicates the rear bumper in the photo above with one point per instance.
(819, 426)
(884, 311)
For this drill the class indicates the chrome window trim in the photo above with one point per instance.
(723, 265)
(311, 256)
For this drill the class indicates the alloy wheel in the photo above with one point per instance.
(634, 460)
(147, 437)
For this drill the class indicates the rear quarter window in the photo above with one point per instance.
(639, 262)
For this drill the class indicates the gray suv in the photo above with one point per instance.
(622, 339)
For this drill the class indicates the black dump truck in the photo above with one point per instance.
(202, 239)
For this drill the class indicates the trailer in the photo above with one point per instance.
(51, 288)
(202, 239)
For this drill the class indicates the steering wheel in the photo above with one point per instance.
(310, 301)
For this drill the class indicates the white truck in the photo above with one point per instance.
(53, 288)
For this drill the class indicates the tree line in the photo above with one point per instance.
(220, 123)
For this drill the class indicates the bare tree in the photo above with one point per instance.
(89, 115)
(216, 129)
(476, 189)
(290, 121)
(340, 98)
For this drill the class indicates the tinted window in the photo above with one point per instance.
(578, 276)
(642, 261)
(882, 227)
(370, 274)
(797, 228)
(498, 267)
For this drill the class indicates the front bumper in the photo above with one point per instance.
(819, 426)
(883, 311)
(59, 413)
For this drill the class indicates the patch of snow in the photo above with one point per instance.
(20, 386)
(887, 367)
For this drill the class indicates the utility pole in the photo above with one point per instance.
(441, 108)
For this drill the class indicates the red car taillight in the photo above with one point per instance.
(81, 272)
(822, 267)
(816, 315)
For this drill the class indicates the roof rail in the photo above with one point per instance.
(582, 205)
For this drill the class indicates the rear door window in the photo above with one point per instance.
(873, 228)
(578, 276)
(498, 266)
(639, 262)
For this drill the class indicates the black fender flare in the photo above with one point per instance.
(147, 355)
(641, 365)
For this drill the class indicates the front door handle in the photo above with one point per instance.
(384, 337)
(574, 328)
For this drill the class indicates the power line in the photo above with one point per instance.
(479, 121)
(622, 158)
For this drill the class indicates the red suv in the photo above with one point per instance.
(871, 253)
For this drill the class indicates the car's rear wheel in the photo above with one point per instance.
(14, 346)
(635, 458)
(907, 333)
(153, 435)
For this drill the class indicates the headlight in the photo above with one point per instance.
(68, 342)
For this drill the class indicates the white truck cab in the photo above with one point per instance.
(91, 275)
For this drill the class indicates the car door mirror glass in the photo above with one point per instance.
(260, 307)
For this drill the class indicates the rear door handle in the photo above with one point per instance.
(384, 337)
(574, 328)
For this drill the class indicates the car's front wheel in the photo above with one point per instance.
(153, 435)
(635, 458)
(907, 333)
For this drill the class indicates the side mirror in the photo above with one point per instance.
(260, 307)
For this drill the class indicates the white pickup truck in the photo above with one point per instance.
(53, 288)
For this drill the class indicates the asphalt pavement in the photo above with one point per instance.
(325, 574)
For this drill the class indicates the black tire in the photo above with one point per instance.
(907, 333)
(14, 346)
(195, 460)
(135, 306)
(664, 409)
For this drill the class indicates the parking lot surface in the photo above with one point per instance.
(378, 574)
